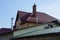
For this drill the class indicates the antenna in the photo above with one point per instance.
(12, 23)
(34, 1)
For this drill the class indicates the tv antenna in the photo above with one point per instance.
(35, 1)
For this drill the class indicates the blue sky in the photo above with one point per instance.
(9, 8)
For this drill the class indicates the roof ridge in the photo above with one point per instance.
(23, 11)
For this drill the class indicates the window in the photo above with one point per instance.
(50, 26)
(46, 27)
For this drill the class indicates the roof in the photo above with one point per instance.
(5, 31)
(21, 15)
(26, 16)
(42, 18)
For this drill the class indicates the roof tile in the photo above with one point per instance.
(42, 17)
(5, 30)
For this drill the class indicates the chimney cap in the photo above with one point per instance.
(34, 9)
(34, 4)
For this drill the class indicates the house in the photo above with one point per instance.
(5, 33)
(36, 26)
(26, 19)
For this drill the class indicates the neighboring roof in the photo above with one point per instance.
(5, 31)
(26, 16)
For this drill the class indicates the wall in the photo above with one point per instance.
(18, 23)
(28, 24)
(41, 27)
(6, 36)
(41, 37)
(30, 29)
(23, 25)
(19, 32)
(54, 24)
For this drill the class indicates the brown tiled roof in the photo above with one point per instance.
(26, 16)
(42, 18)
(5, 31)
(21, 15)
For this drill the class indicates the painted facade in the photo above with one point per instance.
(40, 27)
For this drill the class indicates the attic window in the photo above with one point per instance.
(50, 26)
(46, 27)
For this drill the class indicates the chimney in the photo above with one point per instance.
(34, 10)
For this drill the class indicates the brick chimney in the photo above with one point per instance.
(34, 10)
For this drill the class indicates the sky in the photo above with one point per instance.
(9, 8)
